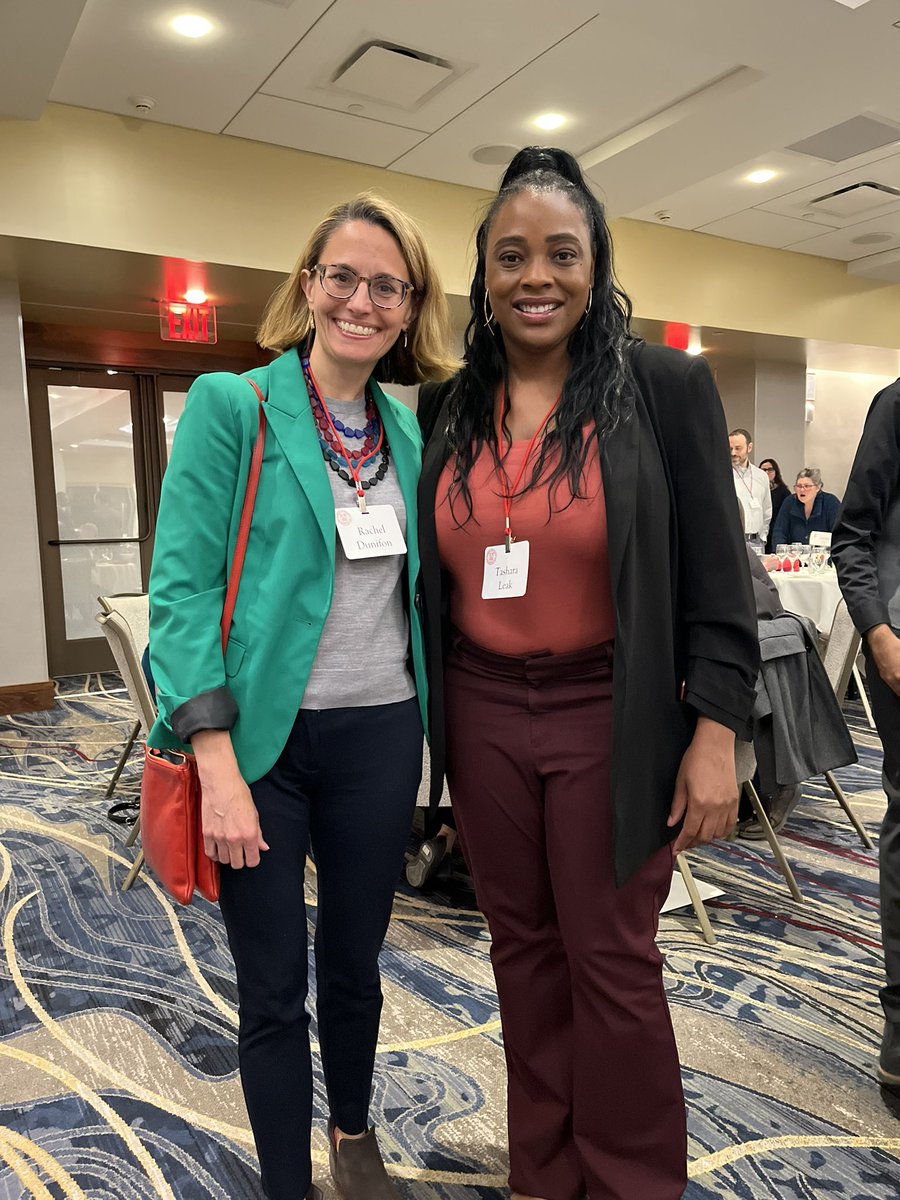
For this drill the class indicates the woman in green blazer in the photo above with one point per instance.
(308, 730)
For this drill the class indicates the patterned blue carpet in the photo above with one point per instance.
(117, 1011)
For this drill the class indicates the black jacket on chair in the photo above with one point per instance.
(686, 640)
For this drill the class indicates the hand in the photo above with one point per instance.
(706, 791)
(230, 823)
(885, 648)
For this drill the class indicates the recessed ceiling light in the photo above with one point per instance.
(762, 176)
(872, 239)
(195, 296)
(550, 121)
(191, 25)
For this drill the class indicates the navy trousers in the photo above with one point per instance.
(346, 784)
(886, 711)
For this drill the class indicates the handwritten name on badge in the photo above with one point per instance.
(505, 572)
(371, 534)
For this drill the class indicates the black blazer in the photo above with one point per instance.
(686, 638)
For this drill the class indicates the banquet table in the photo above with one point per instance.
(808, 595)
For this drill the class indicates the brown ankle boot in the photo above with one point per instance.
(357, 1169)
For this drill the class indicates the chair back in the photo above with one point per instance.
(125, 620)
(841, 651)
(744, 760)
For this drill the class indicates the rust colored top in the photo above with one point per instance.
(568, 603)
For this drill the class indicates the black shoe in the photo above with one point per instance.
(778, 808)
(423, 868)
(314, 1193)
(889, 1059)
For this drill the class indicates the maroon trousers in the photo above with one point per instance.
(595, 1105)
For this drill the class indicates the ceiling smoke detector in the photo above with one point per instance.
(142, 105)
(663, 215)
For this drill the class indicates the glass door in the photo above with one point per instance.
(93, 435)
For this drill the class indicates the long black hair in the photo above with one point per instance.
(777, 481)
(599, 390)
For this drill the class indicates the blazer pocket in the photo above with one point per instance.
(234, 656)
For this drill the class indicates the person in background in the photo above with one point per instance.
(865, 548)
(752, 487)
(809, 510)
(592, 654)
(779, 490)
(308, 730)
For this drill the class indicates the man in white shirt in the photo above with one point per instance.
(752, 487)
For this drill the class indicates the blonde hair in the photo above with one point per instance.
(288, 320)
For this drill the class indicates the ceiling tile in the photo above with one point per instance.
(484, 48)
(763, 228)
(321, 131)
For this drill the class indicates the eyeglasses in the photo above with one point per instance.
(339, 282)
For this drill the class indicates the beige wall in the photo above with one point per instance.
(842, 401)
(23, 654)
(780, 428)
(100, 180)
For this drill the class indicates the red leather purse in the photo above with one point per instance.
(171, 818)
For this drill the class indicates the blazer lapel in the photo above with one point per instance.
(619, 467)
(291, 421)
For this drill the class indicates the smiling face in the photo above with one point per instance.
(538, 270)
(355, 333)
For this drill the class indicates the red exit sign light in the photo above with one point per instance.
(180, 322)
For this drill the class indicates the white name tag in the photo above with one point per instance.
(505, 572)
(371, 534)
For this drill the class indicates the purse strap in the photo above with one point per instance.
(240, 550)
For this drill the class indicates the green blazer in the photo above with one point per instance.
(288, 577)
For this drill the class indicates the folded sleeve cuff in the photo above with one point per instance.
(216, 709)
(742, 727)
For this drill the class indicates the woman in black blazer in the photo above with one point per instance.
(567, 826)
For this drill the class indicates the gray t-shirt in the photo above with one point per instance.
(361, 657)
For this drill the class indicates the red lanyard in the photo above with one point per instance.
(354, 471)
(743, 479)
(507, 491)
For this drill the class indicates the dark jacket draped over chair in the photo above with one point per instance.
(686, 639)
(799, 729)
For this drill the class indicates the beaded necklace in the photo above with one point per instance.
(333, 432)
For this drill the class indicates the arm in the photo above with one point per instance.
(873, 484)
(717, 611)
(205, 476)
(884, 646)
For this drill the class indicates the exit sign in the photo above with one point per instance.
(180, 322)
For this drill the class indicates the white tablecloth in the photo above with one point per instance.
(814, 596)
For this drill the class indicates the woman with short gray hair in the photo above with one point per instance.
(809, 510)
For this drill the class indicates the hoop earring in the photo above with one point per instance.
(405, 340)
(590, 305)
(488, 318)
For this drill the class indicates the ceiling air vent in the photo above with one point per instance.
(851, 138)
(393, 75)
(855, 200)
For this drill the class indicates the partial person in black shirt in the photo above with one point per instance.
(779, 491)
(865, 548)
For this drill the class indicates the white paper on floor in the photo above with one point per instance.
(678, 896)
